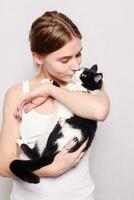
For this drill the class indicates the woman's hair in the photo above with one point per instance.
(51, 31)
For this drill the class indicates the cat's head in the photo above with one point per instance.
(90, 78)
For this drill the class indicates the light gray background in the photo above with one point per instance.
(107, 28)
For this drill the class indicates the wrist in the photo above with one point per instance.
(53, 170)
(49, 170)
(45, 89)
(52, 90)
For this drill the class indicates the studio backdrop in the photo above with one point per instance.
(107, 29)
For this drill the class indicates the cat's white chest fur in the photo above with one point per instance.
(68, 134)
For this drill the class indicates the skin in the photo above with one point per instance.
(59, 65)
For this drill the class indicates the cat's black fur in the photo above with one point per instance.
(91, 80)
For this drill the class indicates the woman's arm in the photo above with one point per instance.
(10, 132)
(86, 105)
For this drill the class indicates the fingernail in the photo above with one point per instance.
(75, 139)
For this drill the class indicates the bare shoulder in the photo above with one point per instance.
(14, 93)
(12, 98)
(15, 89)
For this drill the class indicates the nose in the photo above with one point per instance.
(75, 65)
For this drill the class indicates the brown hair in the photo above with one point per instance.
(51, 31)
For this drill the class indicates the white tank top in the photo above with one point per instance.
(76, 184)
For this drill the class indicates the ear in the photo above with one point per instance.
(98, 77)
(94, 68)
(39, 59)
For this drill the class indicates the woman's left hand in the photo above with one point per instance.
(33, 99)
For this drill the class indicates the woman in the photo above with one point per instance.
(56, 48)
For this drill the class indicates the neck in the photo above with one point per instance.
(42, 74)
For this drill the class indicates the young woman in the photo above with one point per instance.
(56, 48)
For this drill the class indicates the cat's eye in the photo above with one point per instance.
(83, 75)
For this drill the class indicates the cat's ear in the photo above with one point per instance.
(98, 77)
(94, 68)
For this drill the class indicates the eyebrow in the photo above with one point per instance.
(68, 57)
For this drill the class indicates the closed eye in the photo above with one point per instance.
(67, 58)
(64, 61)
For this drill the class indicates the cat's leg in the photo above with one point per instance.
(31, 153)
(20, 170)
(23, 168)
(51, 148)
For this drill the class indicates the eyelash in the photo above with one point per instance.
(78, 55)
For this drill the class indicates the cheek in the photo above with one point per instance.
(79, 60)
(61, 69)
(57, 69)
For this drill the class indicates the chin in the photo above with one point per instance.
(65, 80)
(68, 80)
(62, 80)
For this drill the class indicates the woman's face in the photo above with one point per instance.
(62, 64)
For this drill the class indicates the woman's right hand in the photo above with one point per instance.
(65, 160)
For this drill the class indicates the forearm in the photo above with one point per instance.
(4, 167)
(6, 172)
(87, 105)
(45, 171)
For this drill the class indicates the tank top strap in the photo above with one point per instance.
(25, 87)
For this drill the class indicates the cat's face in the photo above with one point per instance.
(90, 78)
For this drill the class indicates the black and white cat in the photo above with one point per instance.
(67, 127)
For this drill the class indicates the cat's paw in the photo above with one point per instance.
(19, 169)
(46, 80)
(71, 87)
(61, 121)
(20, 142)
(33, 179)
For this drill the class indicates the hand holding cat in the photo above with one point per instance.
(65, 160)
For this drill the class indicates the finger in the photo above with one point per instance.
(17, 116)
(29, 107)
(70, 144)
(20, 111)
(82, 147)
(81, 155)
(79, 158)
(39, 100)
(35, 102)
(21, 107)
(25, 100)
(21, 104)
(30, 102)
